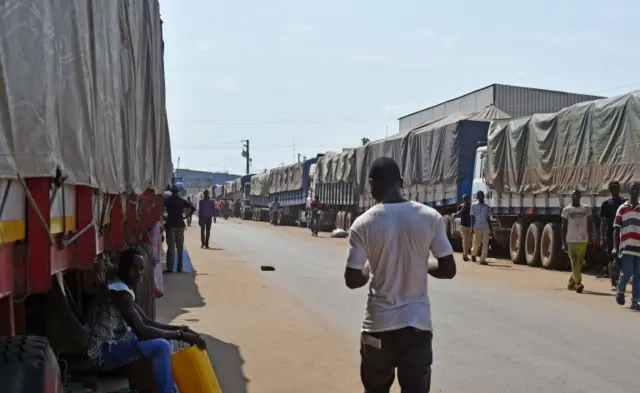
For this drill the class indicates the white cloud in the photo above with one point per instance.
(204, 46)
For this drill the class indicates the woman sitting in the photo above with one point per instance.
(122, 332)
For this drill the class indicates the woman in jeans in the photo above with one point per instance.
(122, 333)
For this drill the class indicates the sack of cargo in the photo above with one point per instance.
(193, 372)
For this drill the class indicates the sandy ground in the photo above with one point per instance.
(260, 338)
(499, 271)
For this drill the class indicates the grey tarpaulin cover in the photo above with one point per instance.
(393, 146)
(260, 184)
(584, 146)
(337, 167)
(83, 89)
(286, 178)
(444, 150)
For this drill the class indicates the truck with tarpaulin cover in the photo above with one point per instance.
(259, 197)
(334, 181)
(290, 185)
(85, 159)
(237, 192)
(436, 160)
(531, 166)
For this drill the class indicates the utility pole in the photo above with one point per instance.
(299, 157)
(246, 154)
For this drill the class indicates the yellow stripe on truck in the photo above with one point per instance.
(15, 230)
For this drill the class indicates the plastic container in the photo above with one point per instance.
(193, 371)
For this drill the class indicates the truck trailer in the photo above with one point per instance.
(531, 166)
(237, 192)
(85, 159)
(259, 197)
(290, 185)
(334, 181)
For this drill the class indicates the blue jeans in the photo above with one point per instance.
(630, 267)
(158, 349)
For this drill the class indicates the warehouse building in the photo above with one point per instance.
(515, 100)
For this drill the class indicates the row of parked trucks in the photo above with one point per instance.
(85, 158)
(527, 168)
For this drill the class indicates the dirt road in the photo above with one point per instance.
(498, 328)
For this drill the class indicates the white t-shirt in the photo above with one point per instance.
(577, 223)
(396, 239)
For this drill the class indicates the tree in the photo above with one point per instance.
(365, 140)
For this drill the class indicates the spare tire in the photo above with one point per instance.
(28, 365)
(516, 243)
(532, 244)
(551, 253)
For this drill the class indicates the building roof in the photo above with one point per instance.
(484, 88)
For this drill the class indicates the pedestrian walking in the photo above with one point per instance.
(464, 212)
(174, 227)
(577, 229)
(626, 244)
(189, 217)
(481, 227)
(608, 212)
(206, 213)
(274, 211)
(396, 237)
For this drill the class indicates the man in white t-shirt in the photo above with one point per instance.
(396, 237)
(576, 231)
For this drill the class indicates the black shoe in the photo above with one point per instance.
(579, 288)
(473, 259)
(465, 258)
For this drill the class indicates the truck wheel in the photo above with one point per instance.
(532, 244)
(516, 243)
(28, 364)
(348, 221)
(551, 253)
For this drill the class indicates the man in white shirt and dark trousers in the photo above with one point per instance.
(396, 237)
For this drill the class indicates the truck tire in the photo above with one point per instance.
(551, 253)
(65, 324)
(348, 221)
(516, 243)
(28, 365)
(532, 244)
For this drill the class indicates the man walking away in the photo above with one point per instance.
(174, 227)
(608, 212)
(626, 243)
(316, 205)
(275, 211)
(576, 231)
(191, 216)
(396, 236)
(205, 218)
(464, 212)
(481, 228)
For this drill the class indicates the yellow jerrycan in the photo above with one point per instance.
(193, 371)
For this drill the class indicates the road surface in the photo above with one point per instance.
(498, 328)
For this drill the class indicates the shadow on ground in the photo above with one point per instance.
(181, 293)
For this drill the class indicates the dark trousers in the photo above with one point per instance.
(175, 245)
(205, 229)
(189, 220)
(614, 263)
(408, 350)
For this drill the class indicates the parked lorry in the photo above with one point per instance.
(85, 159)
(259, 197)
(237, 192)
(334, 181)
(290, 185)
(531, 166)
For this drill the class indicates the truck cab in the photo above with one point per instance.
(478, 184)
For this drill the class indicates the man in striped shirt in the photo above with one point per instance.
(626, 242)
(481, 227)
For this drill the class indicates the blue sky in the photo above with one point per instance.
(306, 77)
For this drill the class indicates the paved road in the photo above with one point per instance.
(488, 338)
